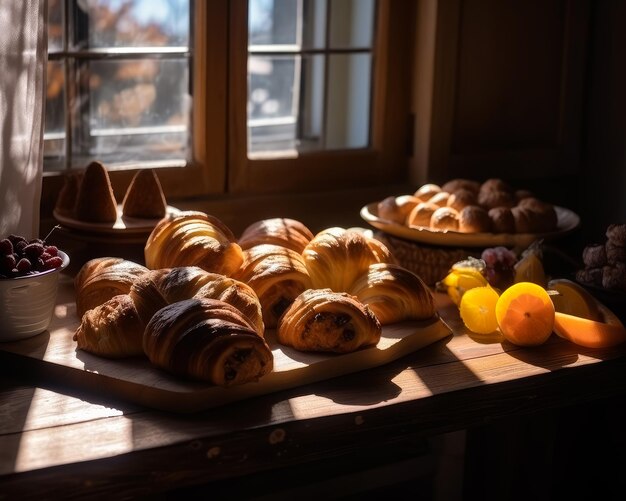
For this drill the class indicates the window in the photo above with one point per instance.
(118, 82)
(287, 94)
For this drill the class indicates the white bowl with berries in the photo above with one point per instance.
(29, 281)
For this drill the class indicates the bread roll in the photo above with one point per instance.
(328, 321)
(461, 198)
(426, 191)
(440, 199)
(502, 220)
(394, 293)
(474, 219)
(457, 184)
(396, 209)
(421, 214)
(444, 219)
(490, 198)
(546, 219)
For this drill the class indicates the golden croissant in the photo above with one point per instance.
(101, 279)
(336, 257)
(185, 282)
(286, 232)
(209, 340)
(193, 238)
(323, 320)
(277, 275)
(394, 293)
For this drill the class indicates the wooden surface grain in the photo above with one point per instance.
(58, 438)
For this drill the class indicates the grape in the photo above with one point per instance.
(500, 266)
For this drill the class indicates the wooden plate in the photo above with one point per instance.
(123, 224)
(567, 221)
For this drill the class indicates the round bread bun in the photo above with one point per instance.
(445, 218)
(502, 220)
(496, 184)
(474, 219)
(461, 184)
(547, 220)
(426, 191)
(526, 220)
(440, 199)
(461, 198)
(490, 198)
(421, 214)
(521, 194)
(396, 209)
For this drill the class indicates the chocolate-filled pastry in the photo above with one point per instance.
(396, 209)
(207, 340)
(594, 256)
(336, 257)
(277, 275)
(113, 329)
(287, 232)
(193, 238)
(474, 219)
(616, 234)
(102, 278)
(591, 276)
(502, 220)
(394, 294)
(327, 321)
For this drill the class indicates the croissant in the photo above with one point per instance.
(193, 238)
(101, 279)
(287, 232)
(394, 293)
(277, 275)
(178, 284)
(323, 320)
(209, 340)
(336, 257)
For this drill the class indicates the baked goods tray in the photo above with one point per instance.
(567, 221)
(52, 356)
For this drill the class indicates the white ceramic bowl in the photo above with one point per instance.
(27, 303)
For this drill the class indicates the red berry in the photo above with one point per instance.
(53, 250)
(53, 262)
(33, 250)
(19, 246)
(6, 247)
(7, 263)
(23, 265)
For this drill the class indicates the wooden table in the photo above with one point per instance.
(58, 442)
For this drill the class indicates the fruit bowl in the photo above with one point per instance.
(27, 302)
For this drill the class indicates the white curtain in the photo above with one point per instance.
(23, 58)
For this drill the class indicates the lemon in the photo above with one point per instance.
(478, 309)
(530, 269)
(574, 299)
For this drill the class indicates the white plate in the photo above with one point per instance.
(567, 221)
(122, 225)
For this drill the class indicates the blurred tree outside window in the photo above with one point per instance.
(118, 82)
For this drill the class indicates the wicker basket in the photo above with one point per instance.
(431, 263)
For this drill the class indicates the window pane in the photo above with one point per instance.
(54, 127)
(348, 101)
(351, 23)
(55, 25)
(273, 22)
(131, 23)
(272, 100)
(133, 110)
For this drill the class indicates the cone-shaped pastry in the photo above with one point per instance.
(287, 232)
(277, 275)
(95, 201)
(209, 340)
(144, 197)
(323, 320)
(394, 293)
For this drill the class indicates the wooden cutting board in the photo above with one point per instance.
(53, 355)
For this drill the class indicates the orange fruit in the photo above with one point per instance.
(478, 309)
(525, 314)
(574, 299)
